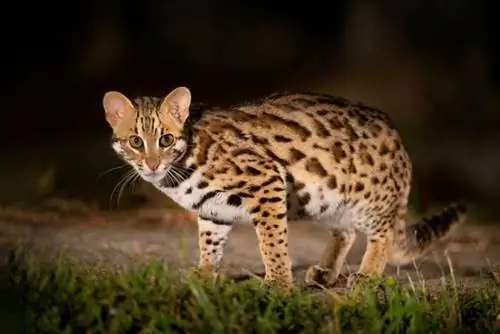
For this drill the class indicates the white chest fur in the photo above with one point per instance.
(208, 203)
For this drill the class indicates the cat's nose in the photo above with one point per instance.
(152, 164)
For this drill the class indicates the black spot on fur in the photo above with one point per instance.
(205, 198)
(281, 215)
(240, 184)
(255, 209)
(314, 166)
(253, 171)
(271, 180)
(202, 184)
(304, 199)
(332, 182)
(296, 155)
(254, 188)
(234, 200)
(282, 139)
(359, 187)
(244, 195)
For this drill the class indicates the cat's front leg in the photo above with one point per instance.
(212, 237)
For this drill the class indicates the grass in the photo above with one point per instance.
(63, 297)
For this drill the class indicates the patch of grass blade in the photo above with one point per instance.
(63, 297)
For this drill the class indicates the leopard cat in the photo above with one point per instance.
(284, 157)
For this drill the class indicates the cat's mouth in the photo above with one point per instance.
(153, 177)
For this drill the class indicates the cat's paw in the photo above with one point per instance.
(316, 275)
(319, 276)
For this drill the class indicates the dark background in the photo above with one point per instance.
(432, 65)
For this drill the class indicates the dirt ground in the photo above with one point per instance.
(122, 239)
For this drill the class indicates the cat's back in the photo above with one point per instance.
(293, 125)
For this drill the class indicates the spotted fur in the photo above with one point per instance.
(281, 158)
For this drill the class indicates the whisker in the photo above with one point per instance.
(168, 176)
(117, 186)
(183, 169)
(124, 186)
(172, 176)
(122, 182)
(177, 176)
(135, 181)
(183, 172)
(112, 169)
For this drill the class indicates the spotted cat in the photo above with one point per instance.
(284, 157)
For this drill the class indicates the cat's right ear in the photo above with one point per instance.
(117, 107)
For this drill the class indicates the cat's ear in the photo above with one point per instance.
(176, 104)
(117, 107)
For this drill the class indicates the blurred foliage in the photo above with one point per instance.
(62, 296)
(28, 184)
(438, 79)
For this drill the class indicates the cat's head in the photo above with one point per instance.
(148, 132)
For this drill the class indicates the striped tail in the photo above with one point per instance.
(415, 240)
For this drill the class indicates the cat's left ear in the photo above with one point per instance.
(118, 107)
(176, 104)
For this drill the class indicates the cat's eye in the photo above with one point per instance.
(166, 140)
(136, 142)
